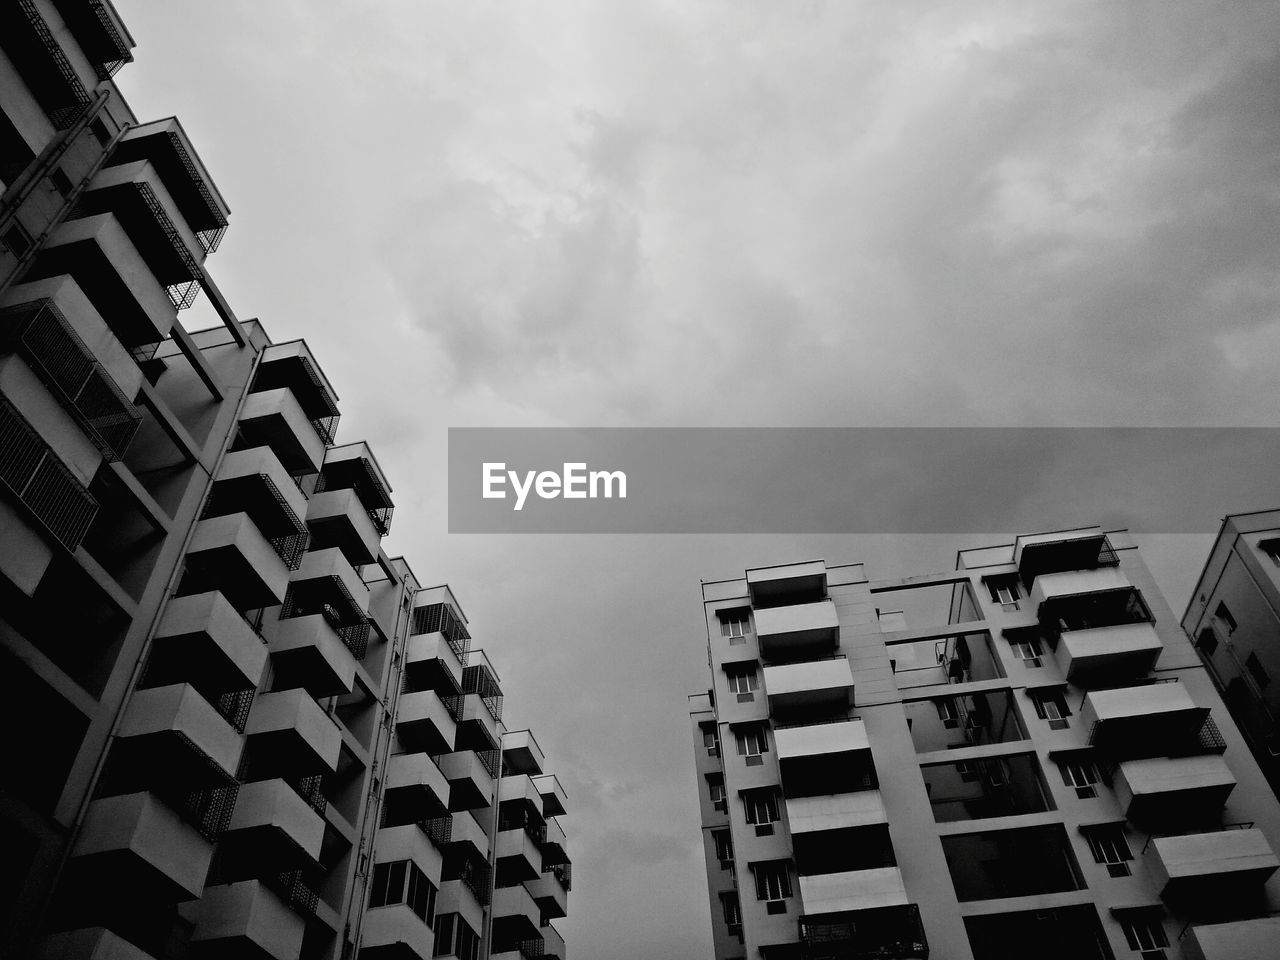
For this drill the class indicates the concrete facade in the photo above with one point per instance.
(229, 708)
(1020, 757)
(1233, 619)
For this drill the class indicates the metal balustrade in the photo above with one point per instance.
(39, 481)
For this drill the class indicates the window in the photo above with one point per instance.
(1027, 649)
(1144, 931)
(389, 887)
(1051, 705)
(732, 913)
(773, 884)
(761, 809)
(1080, 773)
(16, 239)
(1223, 614)
(100, 132)
(743, 680)
(1108, 846)
(715, 787)
(752, 742)
(455, 939)
(734, 623)
(1208, 641)
(948, 713)
(968, 770)
(1257, 670)
(724, 847)
(1003, 590)
(711, 740)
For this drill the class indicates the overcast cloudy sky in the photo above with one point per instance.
(579, 212)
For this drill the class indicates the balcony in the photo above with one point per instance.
(88, 943)
(515, 915)
(1065, 590)
(457, 896)
(552, 943)
(292, 736)
(306, 652)
(431, 663)
(826, 893)
(327, 585)
(1166, 790)
(550, 894)
(337, 518)
(254, 482)
(290, 366)
(1241, 940)
(99, 255)
(803, 629)
(835, 812)
(424, 724)
(134, 841)
(887, 933)
(1048, 553)
(70, 370)
(521, 753)
(519, 855)
(138, 197)
(470, 781)
(248, 920)
(275, 419)
(175, 731)
(202, 636)
(353, 467)
(823, 738)
(519, 787)
(554, 799)
(467, 839)
(410, 842)
(164, 145)
(42, 64)
(1127, 650)
(395, 932)
(810, 685)
(1156, 719)
(790, 583)
(555, 847)
(273, 829)
(417, 789)
(1205, 868)
(229, 554)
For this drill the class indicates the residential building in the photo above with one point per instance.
(204, 642)
(1233, 619)
(1019, 757)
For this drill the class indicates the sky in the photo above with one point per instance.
(624, 213)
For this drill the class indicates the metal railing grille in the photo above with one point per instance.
(311, 789)
(123, 56)
(356, 638)
(294, 891)
(66, 365)
(563, 872)
(38, 480)
(234, 706)
(65, 115)
(182, 292)
(478, 680)
(438, 618)
(439, 830)
(210, 237)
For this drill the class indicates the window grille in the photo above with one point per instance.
(39, 481)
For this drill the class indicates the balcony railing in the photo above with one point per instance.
(39, 481)
(185, 285)
(209, 811)
(298, 375)
(439, 618)
(347, 619)
(357, 473)
(311, 790)
(281, 527)
(294, 891)
(897, 934)
(96, 32)
(67, 97)
(563, 872)
(439, 830)
(478, 680)
(65, 365)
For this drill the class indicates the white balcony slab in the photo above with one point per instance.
(331, 562)
(1200, 863)
(424, 724)
(554, 800)
(426, 647)
(338, 515)
(147, 843)
(841, 736)
(549, 894)
(1240, 940)
(307, 736)
(275, 417)
(1173, 785)
(311, 653)
(212, 636)
(274, 806)
(833, 812)
(418, 771)
(521, 752)
(800, 621)
(809, 682)
(235, 558)
(765, 583)
(396, 926)
(262, 461)
(246, 919)
(854, 890)
(1050, 586)
(180, 709)
(520, 787)
(408, 842)
(1126, 649)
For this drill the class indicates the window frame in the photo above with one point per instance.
(750, 735)
(772, 876)
(1043, 699)
(1144, 930)
(735, 623)
(1110, 848)
(744, 678)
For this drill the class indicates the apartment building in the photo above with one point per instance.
(1233, 619)
(1019, 757)
(205, 645)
